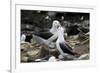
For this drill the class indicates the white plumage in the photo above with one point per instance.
(23, 37)
(61, 45)
(55, 26)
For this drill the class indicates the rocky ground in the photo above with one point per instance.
(34, 52)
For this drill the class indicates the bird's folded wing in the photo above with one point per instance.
(66, 48)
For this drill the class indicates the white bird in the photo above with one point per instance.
(48, 37)
(62, 46)
(23, 37)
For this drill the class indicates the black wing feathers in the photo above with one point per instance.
(45, 35)
(66, 48)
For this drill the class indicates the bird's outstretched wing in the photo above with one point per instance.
(44, 35)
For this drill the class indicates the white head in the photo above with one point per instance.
(56, 23)
(55, 26)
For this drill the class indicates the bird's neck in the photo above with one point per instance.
(53, 30)
(61, 37)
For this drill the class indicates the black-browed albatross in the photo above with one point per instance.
(62, 46)
(49, 36)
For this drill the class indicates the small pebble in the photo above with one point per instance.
(52, 59)
(24, 59)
